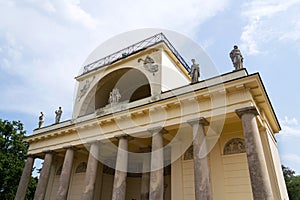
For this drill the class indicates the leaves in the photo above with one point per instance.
(292, 183)
(13, 152)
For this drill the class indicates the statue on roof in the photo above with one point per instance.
(195, 72)
(114, 96)
(236, 58)
(41, 120)
(58, 115)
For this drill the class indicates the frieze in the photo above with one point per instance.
(149, 64)
(85, 88)
(81, 168)
(233, 146)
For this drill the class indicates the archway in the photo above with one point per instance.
(132, 84)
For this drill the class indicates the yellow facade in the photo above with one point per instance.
(157, 100)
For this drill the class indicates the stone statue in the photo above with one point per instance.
(114, 96)
(195, 72)
(58, 115)
(236, 57)
(41, 120)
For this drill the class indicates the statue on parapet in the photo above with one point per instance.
(236, 58)
(58, 115)
(195, 72)
(114, 96)
(41, 120)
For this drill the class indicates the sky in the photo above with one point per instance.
(43, 45)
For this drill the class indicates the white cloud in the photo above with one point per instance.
(290, 127)
(269, 21)
(44, 43)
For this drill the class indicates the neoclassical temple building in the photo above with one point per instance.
(144, 127)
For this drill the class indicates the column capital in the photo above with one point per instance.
(157, 129)
(200, 120)
(250, 109)
(48, 151)
(90, 142)
(70, 147)
(125, 136)
(30, 155)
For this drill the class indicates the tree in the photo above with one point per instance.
(13, 152)
(292, 183)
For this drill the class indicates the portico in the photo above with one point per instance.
(197, 141)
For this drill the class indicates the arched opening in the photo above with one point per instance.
(131, 83)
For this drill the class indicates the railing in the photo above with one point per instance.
(133, 49)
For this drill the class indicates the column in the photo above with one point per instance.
(119, 187)
(91, 173)
(157, 164)
(260, 182)
(201, 168)
(145, 174)
(25, 178)
(65, 177)
(44, 177)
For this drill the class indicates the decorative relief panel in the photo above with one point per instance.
(149, 64)
(83, 90)
(189, 154)
(81, 168)
(233, 146)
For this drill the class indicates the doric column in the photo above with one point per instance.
(119, 187)
(65, 177)
(44, 177)
(91, 173)
(201, 168)
(145, 174)
(157, 164)
(260, 182)
(25, 178)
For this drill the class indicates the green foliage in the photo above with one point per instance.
(31, 188)
(292, 183)
(13, 152)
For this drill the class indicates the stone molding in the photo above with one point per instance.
(200, 120)
(70, 147)
(125, 136)
(157, 129)
(250, 109)
(48, 151)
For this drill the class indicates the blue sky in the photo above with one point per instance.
(44, 43)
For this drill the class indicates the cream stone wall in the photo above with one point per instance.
(217, 172)
(273, 164)
(278, 171)
(107, 186)
(133, 189)
(236, 177)
(53, 182)
(77, 179)
(172, 77)
(54, 188)
(188, 179)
